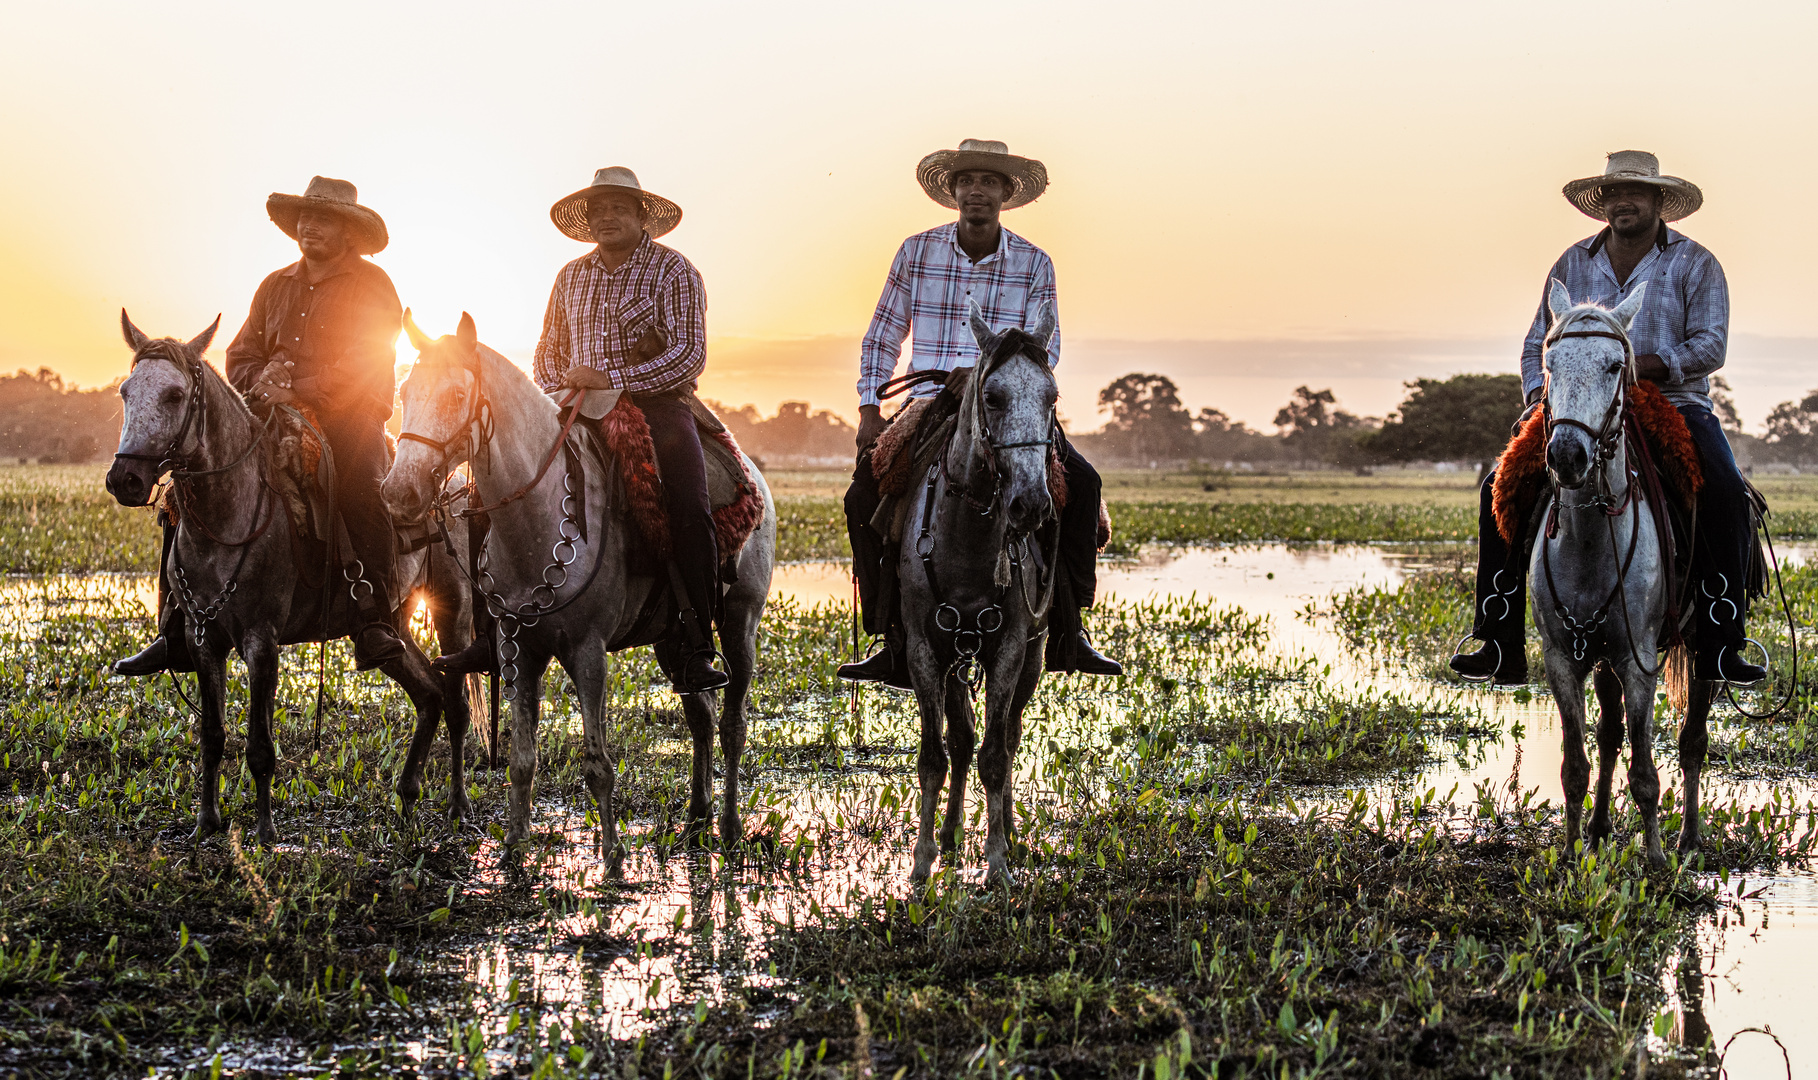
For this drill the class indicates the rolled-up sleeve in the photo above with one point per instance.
(551, 360)
(1533, 348)
(1043, 296)
(1707, 323)
(682, 309)
(883, 343)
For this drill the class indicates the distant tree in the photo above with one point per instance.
(43, 417)
(1148, 420)
(1314, 428)
(794, 432)
(1724, 406)
(1463, 418)
(1792, 431)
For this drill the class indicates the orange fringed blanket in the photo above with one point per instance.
(627, 435)
(1521, 471)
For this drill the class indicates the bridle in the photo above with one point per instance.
(986, 446)
(476, 429)
(1606, 437)
(194, 405)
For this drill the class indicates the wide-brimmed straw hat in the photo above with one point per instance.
(365, 228)
(570, 212)
(1678, 198)
(1028, 177)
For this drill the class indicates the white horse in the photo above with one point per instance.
(976, 587)
(1600, 582)
(556, 570)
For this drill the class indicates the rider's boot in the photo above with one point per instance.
(1069, 649)
(376, 642)
(1722, 649)
(696, 672)
(888, 665)
(1502, 659)
(169, 651)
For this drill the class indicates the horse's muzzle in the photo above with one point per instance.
(1568, 458)
(131, 482)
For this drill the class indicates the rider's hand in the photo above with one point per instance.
(582, 377)
(871, 425)
(1652, 368)
(652, 344)
(277, 373)
(264, 393)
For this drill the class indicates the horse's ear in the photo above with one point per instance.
(418, 339)
(466, 334)
(1628, 309)
(134, 336)
(1044, 325)
(1559, 301)
(981, 330)
(199, 344)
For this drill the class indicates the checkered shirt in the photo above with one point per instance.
(1685, 319)
(597, 317)
(927, 289)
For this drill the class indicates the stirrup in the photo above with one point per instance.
(1457, 652)
(1745, 641)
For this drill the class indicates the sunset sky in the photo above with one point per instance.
(1245, 197)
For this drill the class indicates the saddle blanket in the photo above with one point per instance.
(1521, 470)
(738, 507)
(294, 455)
(917, 432)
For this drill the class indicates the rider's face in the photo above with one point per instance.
(1631, 209)
(980, 194)
(321, 237)
(617, 221)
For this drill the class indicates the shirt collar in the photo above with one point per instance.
(347, 266)
(1003, 244)
(1663, 238)
(638, 254)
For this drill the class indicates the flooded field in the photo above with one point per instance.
(1275, 846)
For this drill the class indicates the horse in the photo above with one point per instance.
(463, 402)
(975, 519)
(237, 576)
(1601, 579)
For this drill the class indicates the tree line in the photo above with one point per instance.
(1465, 418)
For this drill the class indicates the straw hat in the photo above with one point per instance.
(1028, 177)
(365, 228)
(1678, 198)
(570, 212)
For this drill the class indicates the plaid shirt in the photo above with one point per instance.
(927, 288)
(598, 317)
(1685, 319)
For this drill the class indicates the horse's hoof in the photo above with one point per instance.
(998, 872)
(207, 827)
(268, 833)
(732, 831)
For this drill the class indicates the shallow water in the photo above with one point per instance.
(688, 928)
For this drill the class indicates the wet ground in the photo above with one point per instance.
(684, 928)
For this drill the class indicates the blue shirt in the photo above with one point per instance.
(1685, 319)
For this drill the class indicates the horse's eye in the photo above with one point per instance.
(1617, 366)
(994, 401)
(172, 396)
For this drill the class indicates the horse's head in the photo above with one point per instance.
(163, 410)
(1589, 362)
(442, 415)
(1008, 415)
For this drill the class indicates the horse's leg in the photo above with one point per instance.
(1574, 767)
(698, 709)
(1610, 724)
(1013, 731)
(599, 770)
(260, 651)
(1644, 778)
(962, 739)
(740, 644)
(525, 705)
(424, 687)
(931, 762)
(211, 694)
(458, 691)
(1694, 740)
(997, 759)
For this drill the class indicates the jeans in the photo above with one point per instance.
(684, 470)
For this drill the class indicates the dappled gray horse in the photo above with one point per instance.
(235, 571)
(976, 583)
(555, 568)
(1600, 592)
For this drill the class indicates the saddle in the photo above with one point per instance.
(913, 439)
(1666, 452)
(619, 439)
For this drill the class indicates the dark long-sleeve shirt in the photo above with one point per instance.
(1685, 319)
(340, 332)
(597, 317)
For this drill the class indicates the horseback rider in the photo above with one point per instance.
(630, 315)
(320, 334)
(1679, 339)
(933, 278)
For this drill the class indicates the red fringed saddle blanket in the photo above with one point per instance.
(1521, 471)
(738, 507)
